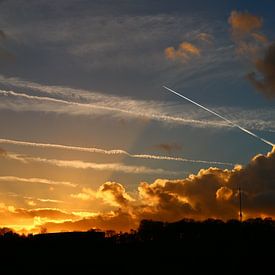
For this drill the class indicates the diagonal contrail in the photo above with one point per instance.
(222, 117)
(107, 152)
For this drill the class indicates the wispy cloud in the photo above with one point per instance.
(79, 164)
(77, 101)
(136, 109)
(108, 152)
(205, 37)
(36, 180)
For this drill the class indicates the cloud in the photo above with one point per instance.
(245, 31)
(135, 109)
(205, 37)
(106, 152)
(243, 23)
(19, 218)
(85, 195)
(184, 52)
(79, 164)
(82, 102)
(168, 147)
(119, 221)
(260, 37)
(114, 194)
(45, 200)
(265, 66)
(111, 193)
(212, 193)
(35, 180)
(224, 193)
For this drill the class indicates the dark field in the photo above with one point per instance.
(184, 247)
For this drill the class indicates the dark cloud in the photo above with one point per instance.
(266, 68)
(26, 217)
(168, 147)
(249, 41)
(119, 221)
(212, 193)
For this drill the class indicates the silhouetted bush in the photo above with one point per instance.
(182, 247)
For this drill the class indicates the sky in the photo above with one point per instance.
(91, 139)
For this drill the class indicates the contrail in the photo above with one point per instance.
(129, 112)
(128, 108)
(222, 117)
(107, 152)
(37, 180)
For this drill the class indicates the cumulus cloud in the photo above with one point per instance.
(265, 66)
(184, 52)
(212, 193)
(224, 193)
(114, 194)
(111, 193)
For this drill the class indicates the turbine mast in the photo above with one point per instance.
(240, 204)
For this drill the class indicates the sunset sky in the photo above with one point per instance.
(91, 139)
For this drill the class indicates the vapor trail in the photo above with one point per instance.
(107, 152)
(222, 117)
(36, 180)
(104, 107)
